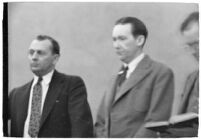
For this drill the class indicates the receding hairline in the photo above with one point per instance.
(55, 45)
(49, 44)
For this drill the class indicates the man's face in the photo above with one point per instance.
(124, 42)
(41, 58)
(191, 35)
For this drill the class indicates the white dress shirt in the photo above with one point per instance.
(133, 64)
(45, 85)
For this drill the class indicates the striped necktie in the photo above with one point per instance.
(34, 122)
(122, 75)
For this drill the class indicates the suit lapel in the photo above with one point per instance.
(189, 86)
(141, 71)
(52, 94)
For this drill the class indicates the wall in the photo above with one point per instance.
(84, 33)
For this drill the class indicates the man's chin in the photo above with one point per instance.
(121, 58)
(196, 56)
(36, 71)
(124, 60)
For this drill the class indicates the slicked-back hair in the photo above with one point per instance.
(55, 44)
(138, 27)
(193, 17)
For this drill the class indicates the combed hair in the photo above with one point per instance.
(193, 17)
(55, 44)
(138, 27)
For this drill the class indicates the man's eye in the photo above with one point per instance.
(122, 38)
(31, 52)
(41, 53)
(191, 44)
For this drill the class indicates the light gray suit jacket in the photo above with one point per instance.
(147, 95)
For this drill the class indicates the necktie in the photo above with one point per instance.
(34, 122)
(122, 76)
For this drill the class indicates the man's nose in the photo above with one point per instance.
(34, 56)
(116, 44)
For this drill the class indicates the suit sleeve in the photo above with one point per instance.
(10, 97)
(161, 101)
(10, 105)
(79, 110)
(100, 121)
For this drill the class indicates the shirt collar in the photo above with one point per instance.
(133, 64)
(46, 78)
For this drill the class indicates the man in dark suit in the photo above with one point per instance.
(52, 104)
(142, 91)
(190, 95)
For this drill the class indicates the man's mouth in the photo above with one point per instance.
(34, 64)
(119, 52)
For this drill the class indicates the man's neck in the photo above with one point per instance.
(44, 74)
(135, 57)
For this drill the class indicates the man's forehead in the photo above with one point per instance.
(40, 44)
(122, 29)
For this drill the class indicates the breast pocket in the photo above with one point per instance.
(141, 106)
(142, 100)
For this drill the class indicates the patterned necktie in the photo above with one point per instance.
(34, 122)
(122, 76)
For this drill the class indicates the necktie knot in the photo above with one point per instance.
(39, 80)
(122, 75)
(125, 68)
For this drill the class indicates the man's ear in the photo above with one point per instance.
(140, 40)
(56, 58)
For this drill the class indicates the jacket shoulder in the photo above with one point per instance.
(161, 67)
(68, 77)
(21, 87)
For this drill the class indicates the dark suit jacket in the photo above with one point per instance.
(189, 103)
(66, 112)
(147, 95)
(190, 96)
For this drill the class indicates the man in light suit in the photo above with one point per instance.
(190, 95)
(52, 104)
(141, 92)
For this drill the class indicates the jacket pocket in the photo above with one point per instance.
(142, 100)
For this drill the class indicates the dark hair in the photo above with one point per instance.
(193, 17)
(138, 27)
(55, 44)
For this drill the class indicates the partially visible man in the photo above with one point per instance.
(142, 91)
(52, 104)
(190, 30)
(189, 103)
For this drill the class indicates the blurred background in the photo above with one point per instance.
(84, 32)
